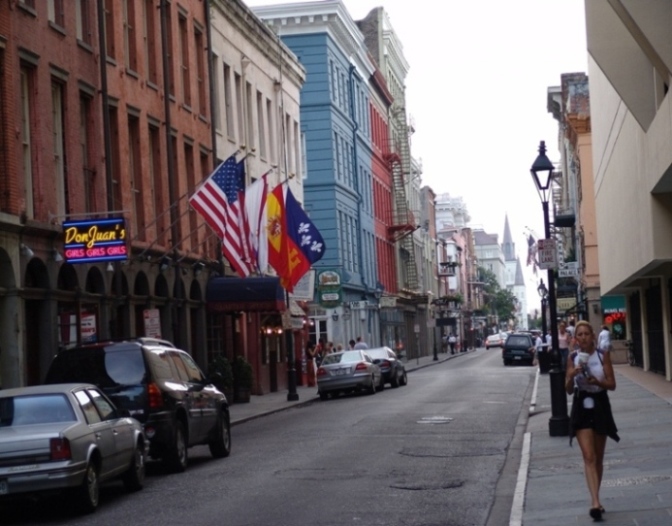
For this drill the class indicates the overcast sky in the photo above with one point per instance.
(476, 91)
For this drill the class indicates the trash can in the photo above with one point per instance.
(544, 360)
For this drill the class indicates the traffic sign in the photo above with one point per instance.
(568, 273)
(547, 253)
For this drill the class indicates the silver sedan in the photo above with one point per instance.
(67, 437)
(348, 371)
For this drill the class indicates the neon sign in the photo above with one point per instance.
(95, 240)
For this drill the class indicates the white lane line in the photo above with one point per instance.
(516, 518)
(533, 402)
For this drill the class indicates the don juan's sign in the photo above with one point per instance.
(95, 240)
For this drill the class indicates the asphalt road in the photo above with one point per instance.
(428, 454)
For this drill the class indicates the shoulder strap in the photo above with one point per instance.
(600, 352)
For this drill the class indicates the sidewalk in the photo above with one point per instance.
(637, 481)
(274, 402)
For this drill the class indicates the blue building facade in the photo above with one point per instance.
(338, 189)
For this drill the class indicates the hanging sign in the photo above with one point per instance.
(547, 253)
(95, 240)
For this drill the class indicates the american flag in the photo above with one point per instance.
(221, 202)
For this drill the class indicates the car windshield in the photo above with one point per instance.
(377, 353)
(344, 357)
(35, 409)
(518, 341)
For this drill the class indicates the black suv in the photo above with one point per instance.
(161, 386)
(518, 348)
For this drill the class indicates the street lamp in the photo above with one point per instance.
(543, 294)
(558, 425)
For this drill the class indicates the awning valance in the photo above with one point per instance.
(245, 294)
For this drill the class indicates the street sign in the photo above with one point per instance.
(358, 305)
(568, 273)
(547, 253)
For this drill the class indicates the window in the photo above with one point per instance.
(261, 125)
(184, 60)
(27, 109)
(238, 84)
(83, 20)
(200, 71)
(116, 159)
(130, 44)
(297, 150)
(109, 29)
(228, 102)
(135, 177)
(271, 131)
(217, 108)
(149, 38)
(58, 137)
(85, 131)
(250, 117)
(104, 407)
(157, 181)
(191, 185)
(55, 12)
(89, 410)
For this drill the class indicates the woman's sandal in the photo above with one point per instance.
(596, 514)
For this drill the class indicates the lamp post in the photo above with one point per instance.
(558, 424)
(543, 294)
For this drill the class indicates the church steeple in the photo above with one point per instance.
(520, 280)
(508, 246)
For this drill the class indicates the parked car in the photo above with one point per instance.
(392, 369)
(348, 371)
(518, 348)
(159, 385)
(494, 340)
(67, 437)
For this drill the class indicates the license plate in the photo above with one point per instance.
(341, 372)
(4, 488)
(516, 357)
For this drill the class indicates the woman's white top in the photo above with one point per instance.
(595, 369)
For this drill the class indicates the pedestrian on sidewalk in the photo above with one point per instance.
(361, 344)
(589, 376)
(310, 363)
(452, 340)
(564, 341)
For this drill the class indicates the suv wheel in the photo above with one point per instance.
(177, 457)
(220, 447)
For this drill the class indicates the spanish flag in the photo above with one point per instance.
(285, 254)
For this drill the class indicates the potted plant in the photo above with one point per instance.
(221, 375)
(242, 379)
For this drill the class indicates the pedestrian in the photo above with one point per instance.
(339, 347)
(319, 352)
(329, 349)
(589, 376)
(351, 343)
(564, 341)
(310, 363)
(361, 344)
(604, 339)
(452, 340)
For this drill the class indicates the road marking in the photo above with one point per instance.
(516, 518)
(533, 401)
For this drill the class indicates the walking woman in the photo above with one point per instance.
(310, 363)
(564, 341)
(589, 376)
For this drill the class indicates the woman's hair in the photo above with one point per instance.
(584, 323)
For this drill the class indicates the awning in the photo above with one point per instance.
(245, 294)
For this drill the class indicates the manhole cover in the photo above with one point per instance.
(435, 420)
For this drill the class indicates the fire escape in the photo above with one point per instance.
(404, 223)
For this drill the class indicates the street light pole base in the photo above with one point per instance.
(292, 397)
(558, 426)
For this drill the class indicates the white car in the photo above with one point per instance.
(494, 340)
(67, 437)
